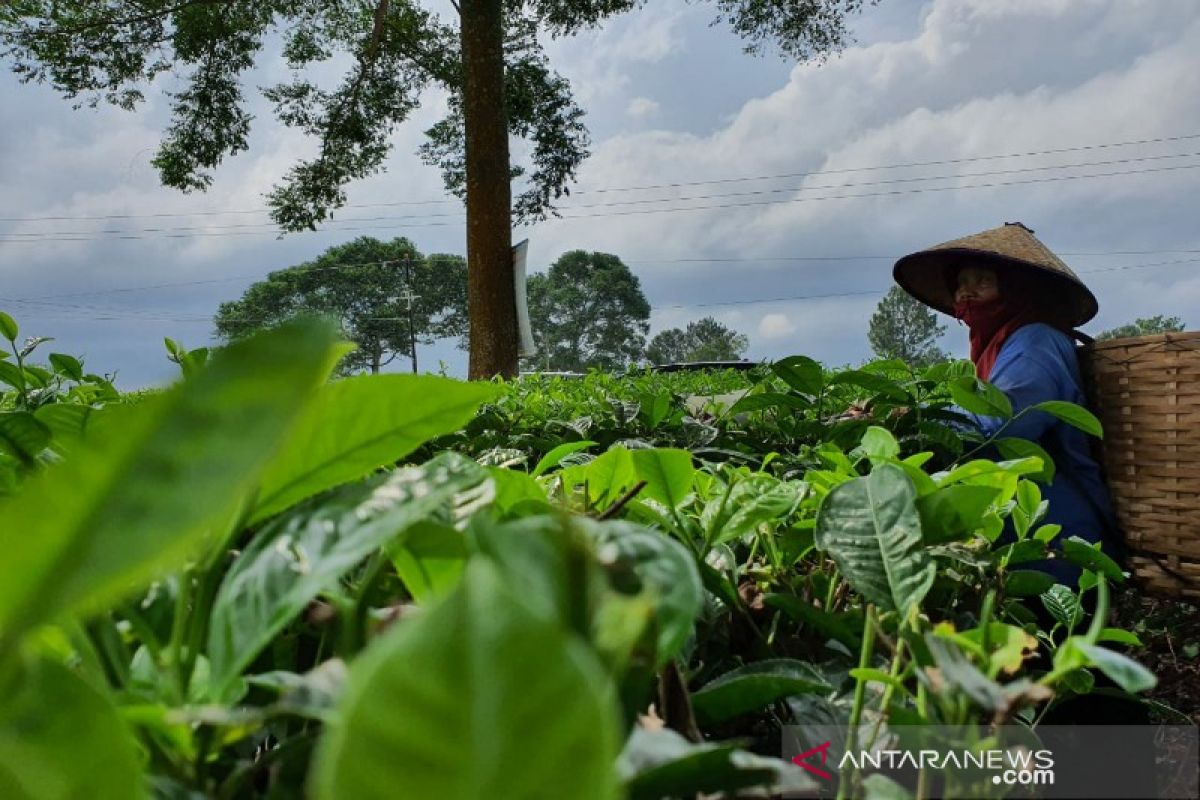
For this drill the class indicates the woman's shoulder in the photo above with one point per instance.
(1040, 332)
(1041, 344)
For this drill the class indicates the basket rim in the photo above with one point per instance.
(1153, 338)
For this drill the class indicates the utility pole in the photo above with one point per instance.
(409, 297)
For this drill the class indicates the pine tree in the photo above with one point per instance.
(902, 327)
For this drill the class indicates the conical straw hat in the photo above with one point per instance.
(926, 276)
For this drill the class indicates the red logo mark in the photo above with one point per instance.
(800, 760)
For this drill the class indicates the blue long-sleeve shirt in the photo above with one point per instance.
(1035, 364)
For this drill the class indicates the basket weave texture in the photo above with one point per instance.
(1146, 392)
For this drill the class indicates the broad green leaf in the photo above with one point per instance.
(751, 502)
(67, 365)
(551, 459)
(870, 527)
(663, 566)
(548, 559)
(753, 686)
(23, 435)
(667, 472)
(515, 490)
(8, 327)
(1013, 449)
(480, 698)
(871, 382)
(1063, 605)
(293, 559)
(1120, 636)
(658, 764)
(429, 559)
(11, 374)
(61, 738)
(879, 445)
(607, 476)
(1123, 670)
(833, 626)
(952, 512)
(765, 400)
(1090, 556)
(157, 479)
(359, 424)
(801, 373)
(958, 671)
(66, 421)
(1076, 416)
(980, 398)
(1027, 583)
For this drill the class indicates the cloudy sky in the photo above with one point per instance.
(798, 178)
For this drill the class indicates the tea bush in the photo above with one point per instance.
(263, 583)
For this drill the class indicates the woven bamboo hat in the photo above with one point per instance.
(927, 276)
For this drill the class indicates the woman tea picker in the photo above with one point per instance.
(1021, 304)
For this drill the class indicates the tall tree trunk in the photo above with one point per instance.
(491, 298)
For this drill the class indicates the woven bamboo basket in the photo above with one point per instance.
(1146, 392)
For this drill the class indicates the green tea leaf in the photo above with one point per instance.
(1027, 583)
(1063, 605)
(23, 435)
(871, 529)
(658, 764)
(1090, 556)
(981, 398)
(67, 365)
(667, 472)
(1012, 448)
(753, 686)
(952, 512)
(765, 400)
(429, 559)
(359, 424)
(1076, 416)
(479, 698)
(294, 558)
(879, 445)
(157, 479)
(665, 567)
(832, 626)
(1123, 670)
(8, 327)
(551, 459)
(61, 738)
(801, 373)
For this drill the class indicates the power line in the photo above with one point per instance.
(757, 192)
(767, 259)
(160, 315)
(675, 185)
(891, 193)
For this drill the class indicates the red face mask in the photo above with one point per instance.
(991, 324)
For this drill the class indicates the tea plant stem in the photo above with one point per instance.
(860, 694)
(145, 632)
(179, 626)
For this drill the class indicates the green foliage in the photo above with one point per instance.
(262, 583)
(902, 327)
(703, 340)
(587, 310)
(1147, 326)
(364, 284)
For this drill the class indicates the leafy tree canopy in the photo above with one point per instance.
(588, 310)
(703, 340)
(95, 52)
(365, 284)
(902, 327)
(1143, 327)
